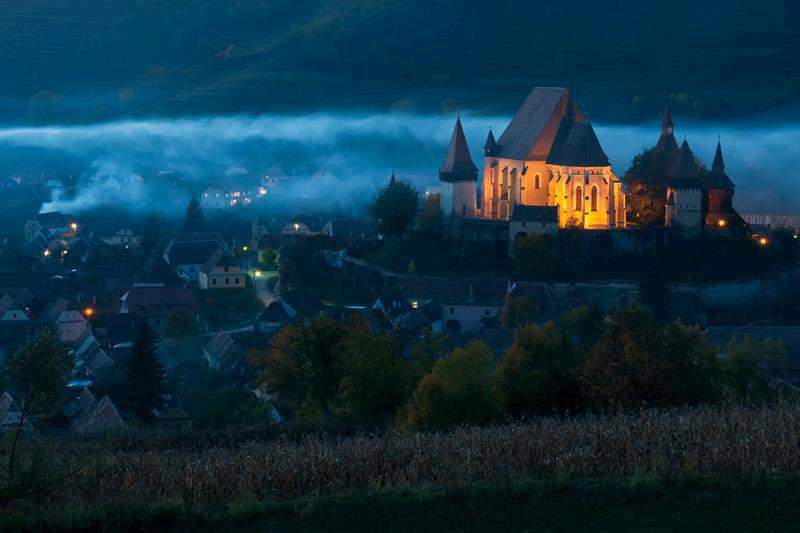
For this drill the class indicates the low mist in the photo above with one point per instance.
(349, 155)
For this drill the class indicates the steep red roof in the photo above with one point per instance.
(530, 134)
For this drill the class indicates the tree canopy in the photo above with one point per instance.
(195, 221)
(395, 207)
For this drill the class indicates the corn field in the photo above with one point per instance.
(706, 441)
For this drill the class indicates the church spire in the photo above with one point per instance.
(392, 179)
(667, 142)
(719, 163)
(490, 146)
(458, 165)
(666, 123)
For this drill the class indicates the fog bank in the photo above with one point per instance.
(355, 151)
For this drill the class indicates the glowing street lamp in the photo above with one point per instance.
(88, 312)
(46, 253)
(763, 241)
(721, 223)
(74, 226)
(296, 226)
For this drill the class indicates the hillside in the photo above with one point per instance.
(68, 59)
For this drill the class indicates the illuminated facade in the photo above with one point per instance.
(548, 155)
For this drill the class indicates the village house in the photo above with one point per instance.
(461, 304)
(158, 304)
(300, 225)
(68, 320)
(100, 416)
(222, 272)
(237, 189)
(222, 353)
(124, 237)
(10, 414)
(11, 310)
(186, 253)
(51, 226)
(287, 307)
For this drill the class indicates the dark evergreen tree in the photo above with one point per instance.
(144, 387)
(195, 221)
(151, 233)
(395, 207)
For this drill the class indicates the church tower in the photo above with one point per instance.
(683, 208)
(666, 142)
(720, 195)
(459, 177)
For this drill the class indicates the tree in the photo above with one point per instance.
(395, 207)
(195, 221)
(151, 233)
(638, 362)
(457, 391)
(646, 179)
(39, 370)
(584, 324)
(376, 380)
(430, 219)
(517, 311)
(144, 386)
(231, 407)
(179, 325)
(533, 257)
(747, 367)
(302, 367)
(537, 373)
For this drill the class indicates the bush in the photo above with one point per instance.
(456, 391)
(537, 374)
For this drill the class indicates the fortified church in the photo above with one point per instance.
(548, 171)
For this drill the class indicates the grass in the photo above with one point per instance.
(677, 468)
(692, 504)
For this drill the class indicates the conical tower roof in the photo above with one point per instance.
(717, 179)
(666, 122)
(458, 165)
(490, 146)
(719, 163)
(684, 172)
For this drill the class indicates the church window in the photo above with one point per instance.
(578, 199)
(594, 198)
(536, 182)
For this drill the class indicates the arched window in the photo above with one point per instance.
(512, 196)
(578, 199)
(594, 198)
(536, 182)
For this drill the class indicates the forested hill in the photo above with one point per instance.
(91, 59)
